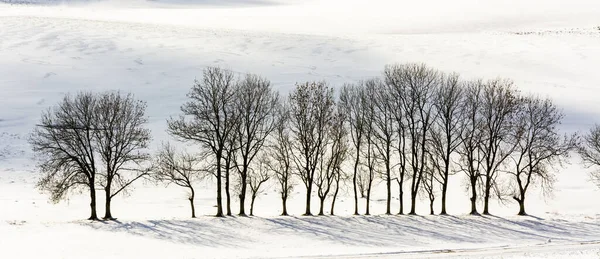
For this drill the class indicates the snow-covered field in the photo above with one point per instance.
(156, 48)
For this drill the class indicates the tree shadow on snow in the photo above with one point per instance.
(366, 231)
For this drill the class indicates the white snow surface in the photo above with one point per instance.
(155, 49)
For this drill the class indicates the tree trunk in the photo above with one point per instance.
(474, 197)
(227, 195)
(413, 203)
(337, 188)
(107, 213)
(219, 198)
(444, 190)
(521, 202)
(388, 210)
(322, 204)
(401, 195)
(354, 184)
(486, 198)
(94, 214)
(431, 212)
(368, 201)
(243, 196)
(308, 192)
(284, 205)
(192, 203)
(252, 205)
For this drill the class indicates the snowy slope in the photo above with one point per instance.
(155, 49)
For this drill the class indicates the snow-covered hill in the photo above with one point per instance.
(155, 49)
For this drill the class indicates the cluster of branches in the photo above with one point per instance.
(90, 140)
(414, 126)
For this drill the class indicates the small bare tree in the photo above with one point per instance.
(280, 155)
(539, 146)
(122, 139)
(209, 119)
(64, 146)
(181, 169)
(333, 157)
(362, 180)
(589, 150)
(339, 178)
(256, 178)
(311, 110)
(430, 180)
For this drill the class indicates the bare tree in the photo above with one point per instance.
(229, 159)
(419, 83)
(362, 180)
(280, 154)
(122, 142)
(64, 145)
(311, 110)
(334, 155)
(430, 180)
(181, 169)
(339, 177)
(471, 138)
(256, 106)
(384, 133)
(499, 106)
(209, 118)
(539, 146)
(256, 178)
(352, 100)
(446, 131)
(589, 150)
(368, 153)
(396, 90)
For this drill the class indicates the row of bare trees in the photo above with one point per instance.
(412, 127)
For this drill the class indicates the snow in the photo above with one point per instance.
(155, 49)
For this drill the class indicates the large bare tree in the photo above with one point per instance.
(384, 133)
(122, 139)
(256, 107)
(499, 105)
(539, 146)
(311, 111)
(419, 83)
(369, 155)
(396, 90)
(64, 146)
(209, 118)
(352, 100)
(446, 131)
(471, 139)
